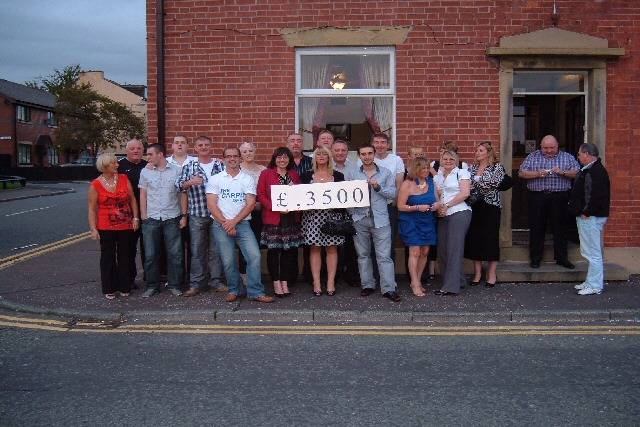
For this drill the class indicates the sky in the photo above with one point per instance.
(38, 36)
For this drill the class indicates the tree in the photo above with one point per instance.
(86, 119)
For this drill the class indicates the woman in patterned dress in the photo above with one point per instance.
(312, 221)
(482, 241)
(281, 232)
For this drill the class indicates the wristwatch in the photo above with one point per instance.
(184, 215)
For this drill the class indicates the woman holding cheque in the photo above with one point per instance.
(313, 220)
(281, 230)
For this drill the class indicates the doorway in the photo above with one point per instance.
(544, 103)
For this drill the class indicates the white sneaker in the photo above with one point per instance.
(589, 291)
(580, 287)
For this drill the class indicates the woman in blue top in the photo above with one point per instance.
(416, 221)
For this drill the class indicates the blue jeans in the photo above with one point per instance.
(152, 232)
(205, 258)
(248, 245)
(382, 241)
(590, 231)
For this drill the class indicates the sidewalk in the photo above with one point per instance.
(66, 282)
(33, 190)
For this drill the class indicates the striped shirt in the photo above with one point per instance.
(537, 161)
(197, 194)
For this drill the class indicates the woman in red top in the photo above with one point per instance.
(281, 232)
(113, 216)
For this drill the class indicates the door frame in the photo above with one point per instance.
(595, 114)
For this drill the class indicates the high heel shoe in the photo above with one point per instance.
(277, 289)
(474, 283)
(317, 293)
(489, 284)
(331, 293)
(285, 289)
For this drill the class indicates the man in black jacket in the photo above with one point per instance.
(589, 202)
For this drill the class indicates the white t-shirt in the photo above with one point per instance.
(173, 161)
(450, 188)
(392, 162)
(231, 192)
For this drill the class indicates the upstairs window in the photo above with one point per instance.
(23, 114)
(350, 91)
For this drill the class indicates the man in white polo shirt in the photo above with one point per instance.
(231, 196)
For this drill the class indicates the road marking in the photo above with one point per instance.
(14, 259)
(30, 210)
(374, 330)
(24, 247)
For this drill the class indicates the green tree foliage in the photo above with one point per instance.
(86, 119)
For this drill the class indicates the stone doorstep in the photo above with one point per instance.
(521, 271)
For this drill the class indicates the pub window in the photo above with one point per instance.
(23, 113)
(54, 156)
(350, 91)
(24, 154)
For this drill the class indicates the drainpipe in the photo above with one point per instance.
(160, 70)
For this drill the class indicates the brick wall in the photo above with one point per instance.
(230, 75)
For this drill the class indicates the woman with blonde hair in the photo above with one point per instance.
(453, 189)
(482, 238)
(313, 220)
(416, 221)
(113, 217)
(253, 169)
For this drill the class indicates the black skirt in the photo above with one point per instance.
(483, 241)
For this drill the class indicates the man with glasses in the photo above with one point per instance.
(231, 196)
(206, 266)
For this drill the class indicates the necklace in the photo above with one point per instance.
(422, 186)
(110, 184)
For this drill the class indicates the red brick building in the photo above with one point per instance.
(508, 71)
(27, 126)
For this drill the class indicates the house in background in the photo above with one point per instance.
(27, 126)
(132, 96)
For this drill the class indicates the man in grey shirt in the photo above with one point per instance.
(162, 216)
(373, 223)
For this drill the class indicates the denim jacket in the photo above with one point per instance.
(378, 199)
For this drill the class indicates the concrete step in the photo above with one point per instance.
(521, 253)
(521, 271)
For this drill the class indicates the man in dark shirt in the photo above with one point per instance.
(589, 202)
(131, 166)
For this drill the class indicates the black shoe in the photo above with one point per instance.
(489, 284)
(474, 283)
(317, 293)
(443, 293)
(393, 296)
(331, 293)
(366, 292)
(566, 264)
(535, 264)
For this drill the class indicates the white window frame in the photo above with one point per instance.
(27, 147)
(366, 50)
(23, 113)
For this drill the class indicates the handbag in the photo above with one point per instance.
(340, 225)
(506, 183)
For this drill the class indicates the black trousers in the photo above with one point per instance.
(548, 207)
(348, 262)
(281, 265)
(115, 260)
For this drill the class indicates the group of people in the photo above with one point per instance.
(190, 213)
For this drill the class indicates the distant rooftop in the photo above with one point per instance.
(26, 94)
(136, 89)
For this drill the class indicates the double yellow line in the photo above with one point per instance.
(23, 256)
(116, 327)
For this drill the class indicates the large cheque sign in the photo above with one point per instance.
(330, 195)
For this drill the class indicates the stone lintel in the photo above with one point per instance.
(533, 51)
(345, 36)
